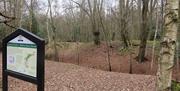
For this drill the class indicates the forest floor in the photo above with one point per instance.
(69, 77)
(89, 55)
(93, 74)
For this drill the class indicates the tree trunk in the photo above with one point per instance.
(106, 39)
(123, 9)
(54, 37)
(92, 14)
(20, 13)
(96, 38)
(144, 31)
(168, 44)
(154, 40)
(178, 42)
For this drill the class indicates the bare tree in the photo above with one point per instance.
(105, 34)
(124, 13)
(122, 18)
(154, 39)
(92, 14)
(53, 27)
(144, 31)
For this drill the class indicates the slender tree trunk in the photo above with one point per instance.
(144, 31)
(96, 37)
(94, 21)
(139, 5)
(31, 15)
(168, 44)
(20, 13)
(154, 40)
(47, 26)
(123, 9)
(78, 52)
(130, 62)
(5, 11)
(106, 39)
(47, 30)
(15, 11)
(56, 53)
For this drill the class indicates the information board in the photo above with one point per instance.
(22, 56)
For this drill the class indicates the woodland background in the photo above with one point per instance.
(133, 28)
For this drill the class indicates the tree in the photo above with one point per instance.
(54, 37)
(144, 31)
(154, 40)
(168, 44)
(105, 33)
(92, 13)
(123, 19)
(124, 12)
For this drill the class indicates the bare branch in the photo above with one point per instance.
(81, 7)
(7, 16)
(90, 7)
(10, 25)
(7, 19)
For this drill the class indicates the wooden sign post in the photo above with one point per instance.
(23, 58)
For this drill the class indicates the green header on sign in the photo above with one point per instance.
(22, 45)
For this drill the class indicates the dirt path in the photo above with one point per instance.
(68, 77)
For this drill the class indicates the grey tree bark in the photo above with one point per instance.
(168, 44)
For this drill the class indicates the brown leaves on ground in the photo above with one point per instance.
(69, 77)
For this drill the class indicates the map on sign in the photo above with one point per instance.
(22, 56)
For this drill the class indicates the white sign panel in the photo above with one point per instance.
(22, 56)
